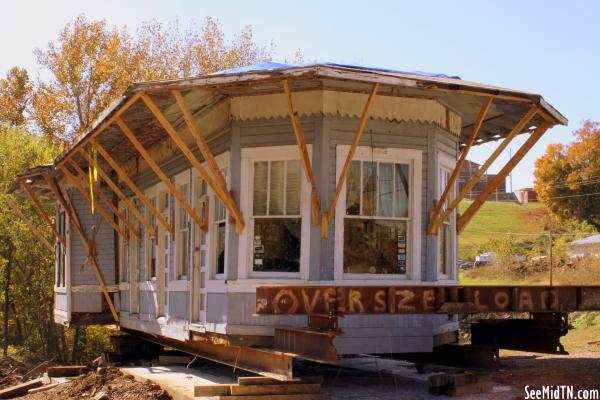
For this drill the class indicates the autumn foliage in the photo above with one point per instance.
(567, 177)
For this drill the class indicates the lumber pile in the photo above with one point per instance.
(462, 384)
(262, 388)
(20, 389)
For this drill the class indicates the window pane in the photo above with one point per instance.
(401, 186)
(184, 254)
(353, 189)
(369, 184)
(374, 246)
(277, 244)
(220, 248)
(153, 255)
(260, 187)
(276, 188)
(292, 192)
(386, 189)
(444, 249)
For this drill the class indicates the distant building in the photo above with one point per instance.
(526, 195)
(470, 168)
(588, 246)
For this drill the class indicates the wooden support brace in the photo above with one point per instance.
(105, 199)
(227, 199)
(341, 181)
(308, 172)
(475, 178)
(435, 222)
(29, 224)
(40, 210)
(140, 195)
(493, 184)
(107, 217)
(115, 188)
(59, 196)
(154, 166)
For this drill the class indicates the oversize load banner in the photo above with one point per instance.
(422, 299)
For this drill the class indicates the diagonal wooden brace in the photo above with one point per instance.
(29, 224)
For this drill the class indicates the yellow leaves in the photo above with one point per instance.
(93, 172)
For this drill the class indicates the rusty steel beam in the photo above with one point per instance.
(424, 299)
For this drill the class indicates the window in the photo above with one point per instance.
(141, 259)
(446, 241)
(219, 229)
(61, 251)
(151, 244)
(376, 218)
(182, 240)
(125, 259)
(276, 216)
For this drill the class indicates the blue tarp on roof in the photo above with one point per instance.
(269, 66)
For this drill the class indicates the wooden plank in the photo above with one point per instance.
(435, 222)
(117, 190)
(493, 184)
(79, 186)
(41, 212)
(475, 178)
(212, 164)
(291, 388)
(59, 196)
(106, 200)
(174, 360)
(29, 224)
(20, 389)
(43, 388)
(223, 389)
(263, 380)
(344, 172)
(66, 370)
(161, 175)
(140, 195)
(308, 172)
(304, 396)
(224, 196)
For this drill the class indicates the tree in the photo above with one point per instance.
(92, 64)
(567, 177)
(15, 94)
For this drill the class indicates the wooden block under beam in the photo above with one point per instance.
(263, 380)
(307, 396)
(290, 388)
(212, 390)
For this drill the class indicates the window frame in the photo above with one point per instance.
(181, 179)
(447, 164)
(152, 194)
(393, 155)
(245, 251)
(61, 250)
(125, 272)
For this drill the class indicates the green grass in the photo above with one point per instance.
(498, 217)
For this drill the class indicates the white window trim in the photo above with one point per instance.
(414, 228)
(447, 163)
(67, 286)
(182, 178)
(245, 264)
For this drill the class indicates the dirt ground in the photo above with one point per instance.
(11, 371)
(111, 381)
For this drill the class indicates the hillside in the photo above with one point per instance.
(498, 218)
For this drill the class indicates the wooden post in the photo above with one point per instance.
(493, 184)
(220, 189)
(115, 188)
(29, 224)
(58, 194)
(106, 200)
(140, 195)
(154, 166)
(79, 186)
(40, 210)
(308, 172)
(475, 178)
(338, 189)
(435, 222)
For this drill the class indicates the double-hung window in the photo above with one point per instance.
(61, 251)
(446, 234)
(125, 253)
(182, 240)
(219, 231)
(276, 216)
(151, 243)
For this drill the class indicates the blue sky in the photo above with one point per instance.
(546, 47)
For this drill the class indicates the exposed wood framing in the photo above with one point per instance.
(342, 179)
(154, 166)
(475, 178)
(140, 195)
(107, 217)
(493, 184)
(73, 218)
(29, 224)
(220, 189)
(105, 199)
(40, 210)
(227, 199)
(115, 188)
(434, 221)
(297, 127)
